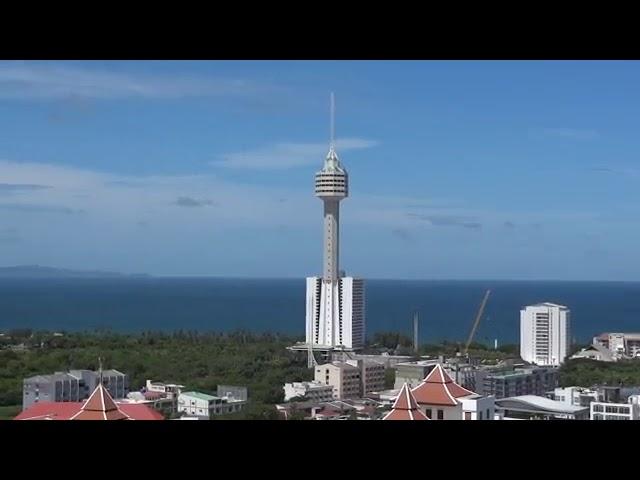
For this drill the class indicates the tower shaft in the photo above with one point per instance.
(331, 269)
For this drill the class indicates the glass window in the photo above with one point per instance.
(440, 414)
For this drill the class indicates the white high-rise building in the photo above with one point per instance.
(545, 333)
(335, 315)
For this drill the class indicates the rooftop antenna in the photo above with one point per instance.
(333, 122)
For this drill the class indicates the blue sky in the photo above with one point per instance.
(464, 170)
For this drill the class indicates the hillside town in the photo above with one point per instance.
(351, 386)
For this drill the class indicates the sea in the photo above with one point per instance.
(446, 309)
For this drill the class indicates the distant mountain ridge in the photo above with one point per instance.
(37, 271)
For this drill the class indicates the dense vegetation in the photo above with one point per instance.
(200, 361)
(585, 373)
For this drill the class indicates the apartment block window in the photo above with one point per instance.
(440, 414)
(429, 413)
(479, 415)
(467, 415)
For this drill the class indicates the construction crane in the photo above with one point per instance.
(477, 321)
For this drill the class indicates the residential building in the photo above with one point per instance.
(440, 398)
(313, 391)
(534, 407)
(170, 390)
(616, 411)
(205, 406)
(372, 376)
(343, 377)
(545, 334)
(513, 382)
(59, 387)
(576, 396)
(620, 344)
(160, 396)
(405, 407)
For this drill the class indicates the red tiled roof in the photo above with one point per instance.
(65, 410)
(439, 389)
(50, 411)
(405, 407)
(100, 406)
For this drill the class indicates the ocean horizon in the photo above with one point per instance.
(446, 308)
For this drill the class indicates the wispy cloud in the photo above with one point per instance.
(509, 224)
(288, 155)
(33, 208)
(448, 220)
(29, 80)
(571, 133)
(192, 202)
(17, 187)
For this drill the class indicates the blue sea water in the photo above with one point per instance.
(446, 308)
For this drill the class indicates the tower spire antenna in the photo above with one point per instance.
(332, 144)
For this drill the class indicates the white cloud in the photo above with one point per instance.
(34, 80)
(288, 155)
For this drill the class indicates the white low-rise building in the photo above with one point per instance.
(171, 390)
(315, 391)
(616, 411)
(203, 405)
(575, 396)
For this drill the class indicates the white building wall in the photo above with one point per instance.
(343, 378)
(615, 411)
(449, 412)
(481, 408)
(339, 322)
(311, 390)
(193, 405)
(545, 334)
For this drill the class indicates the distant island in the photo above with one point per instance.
(37, 271)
